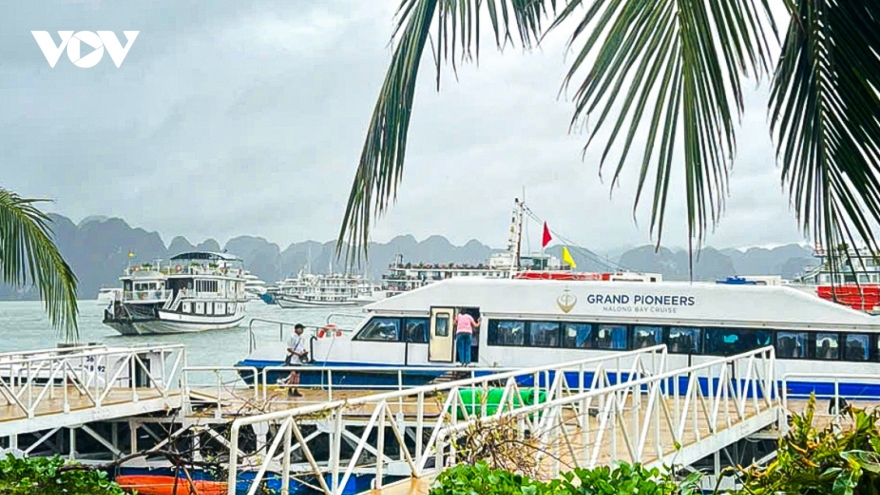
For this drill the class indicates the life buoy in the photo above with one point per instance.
(327, 329)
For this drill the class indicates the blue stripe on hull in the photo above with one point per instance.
(370, 376)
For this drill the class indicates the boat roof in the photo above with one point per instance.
(657, 303)
(205, 255)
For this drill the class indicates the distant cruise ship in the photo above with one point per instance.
(404, 277)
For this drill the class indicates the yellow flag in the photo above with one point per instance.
(566, 257)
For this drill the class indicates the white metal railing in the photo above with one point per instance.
(670, 425)
(844, 388)
(146, 295)
(425, 411)
(282, 324)
(49, 351)
(28, 383)
(223, 389)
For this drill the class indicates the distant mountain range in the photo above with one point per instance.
(97, 250)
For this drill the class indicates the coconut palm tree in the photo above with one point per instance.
(29, 257)
(671, 73)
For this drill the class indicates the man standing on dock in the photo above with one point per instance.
(296, 356)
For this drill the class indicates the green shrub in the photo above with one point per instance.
(44, 476)
(480, 479)
(810, 461)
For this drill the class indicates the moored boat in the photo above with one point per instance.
(151, 484)
(194, 292)
(528, 323)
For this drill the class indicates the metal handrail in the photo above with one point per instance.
(220, 386)
(251, 336)
(85, 371)
(334, 410)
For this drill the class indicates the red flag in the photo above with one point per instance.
(547, 237)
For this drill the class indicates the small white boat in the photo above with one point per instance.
(254, 288)
(106, 296)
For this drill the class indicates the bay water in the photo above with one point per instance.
(25, 326)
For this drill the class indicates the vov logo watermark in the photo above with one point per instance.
(73, 42)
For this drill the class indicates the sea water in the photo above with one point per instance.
(25, 326)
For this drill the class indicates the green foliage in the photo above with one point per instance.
(45, 476)
(662, 82)
(828, 461)
(479, 479)
(29, 256)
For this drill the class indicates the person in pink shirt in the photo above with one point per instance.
(464, 332)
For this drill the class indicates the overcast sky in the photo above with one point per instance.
(231, 117)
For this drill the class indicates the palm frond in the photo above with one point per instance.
(28, 256)
(824, 113)
(458, 27)
(672, 68)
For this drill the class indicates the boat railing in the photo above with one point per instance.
(842, 389)
(221, 385)
(89, 377)
(311, 329)
(430, 409)
(146, 295)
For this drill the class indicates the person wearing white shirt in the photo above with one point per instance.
(296, 356)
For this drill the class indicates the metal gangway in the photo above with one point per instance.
(54, 388)
(623, 406)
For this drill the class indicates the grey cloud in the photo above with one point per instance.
(248, 117)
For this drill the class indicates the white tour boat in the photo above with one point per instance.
(322, 291)
(528, 323)
(254, 288)
(512, 263)
(194, 292)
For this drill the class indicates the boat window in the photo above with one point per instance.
(577, 335)
(827, 346)
(647, 336)
(506, 332)
(857, 347)
(381, 330)
(791, 345)
(441, 325)
(544, 333)
(415, 330)
(684, 340)
(611, 337)
(728, 341)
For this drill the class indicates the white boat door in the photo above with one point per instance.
(441, 340)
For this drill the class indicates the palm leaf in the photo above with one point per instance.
(824, 113)
(28, 256)
(458, 24)
(671, 68)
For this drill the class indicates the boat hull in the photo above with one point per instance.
(368, 376)
(169, 322)
(288, 303)
(149, 484)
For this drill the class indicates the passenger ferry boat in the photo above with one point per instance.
(321, 291)
(529, 323)
(196, 291)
